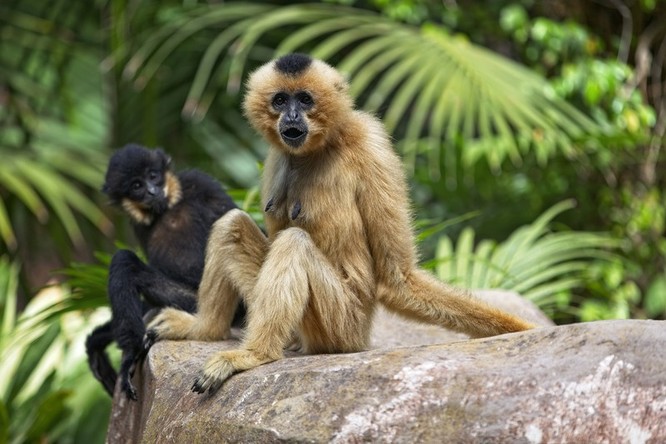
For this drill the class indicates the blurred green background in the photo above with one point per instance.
(532, 133)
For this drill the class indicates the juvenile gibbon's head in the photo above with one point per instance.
(297, 103)
(139, 180)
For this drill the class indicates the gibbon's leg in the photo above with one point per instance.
(98, 360)
(296, 289)
(424, 298)
(234, 254)
(127, 312)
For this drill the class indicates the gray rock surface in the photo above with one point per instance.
(593, 382)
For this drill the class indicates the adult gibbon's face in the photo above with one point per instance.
(297, 103)
(292, 123)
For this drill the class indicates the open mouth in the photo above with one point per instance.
(293, 136)
(292, 133)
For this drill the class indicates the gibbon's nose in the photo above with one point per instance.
(152, 189)
(293, 116)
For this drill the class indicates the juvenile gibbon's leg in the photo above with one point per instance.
(296, 290)
(98, 360)
(127, 309)
(235, 252)
(424, 298)
(129, 277)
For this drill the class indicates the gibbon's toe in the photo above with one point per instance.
(216, 371)
(129, 389)
(149, 339)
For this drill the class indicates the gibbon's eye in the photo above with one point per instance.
(136, 185)
(152, 175)
(305, 99)
(279, 100)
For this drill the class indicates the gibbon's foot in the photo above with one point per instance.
(127, 387)
(224, 364)
(169, 324)
(213, 381)
(149, 339)
(295, 345)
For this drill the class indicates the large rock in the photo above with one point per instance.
(594, 382)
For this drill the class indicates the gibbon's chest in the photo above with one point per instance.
(178, 234)
(319, 199)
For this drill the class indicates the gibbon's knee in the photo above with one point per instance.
(123, 260)
(235, 252)
(291, 247)
(290, 252)
(230, 227)
(99, 338)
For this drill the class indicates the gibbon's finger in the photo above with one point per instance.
(149, 339)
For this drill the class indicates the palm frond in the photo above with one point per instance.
(436, 92)
(533, 261)
(43, 365)
(52, 122)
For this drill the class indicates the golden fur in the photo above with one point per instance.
(339, 242)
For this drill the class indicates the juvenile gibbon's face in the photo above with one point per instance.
(297, 103)
(139, 180)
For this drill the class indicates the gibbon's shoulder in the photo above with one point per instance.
(198, 185)
(372, 158)
(375, 143)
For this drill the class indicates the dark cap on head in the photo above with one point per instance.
(293, 64)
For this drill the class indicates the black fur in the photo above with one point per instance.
(293, 64)
(174, 244)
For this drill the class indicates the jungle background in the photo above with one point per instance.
(532, 133)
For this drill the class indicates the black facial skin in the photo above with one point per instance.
(138, 174)
(149, 190)
(292, 107)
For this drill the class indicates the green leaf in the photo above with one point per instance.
(533, 261)
(4, 423)
(655, 297)
(447, 89)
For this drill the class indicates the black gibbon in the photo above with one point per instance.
(172, 215)
(339, 242)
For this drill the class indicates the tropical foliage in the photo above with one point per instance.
(46, 392)
(541, 265)
(532, 133)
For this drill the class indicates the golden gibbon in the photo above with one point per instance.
(339, 242)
